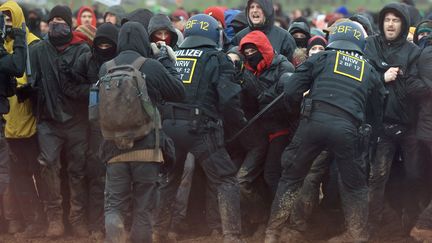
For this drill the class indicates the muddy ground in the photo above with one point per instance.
(321, 229)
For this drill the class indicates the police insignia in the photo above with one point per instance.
(349, 66)
(186, 68)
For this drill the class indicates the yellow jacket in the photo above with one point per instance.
(20, 122)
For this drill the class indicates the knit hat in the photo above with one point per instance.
(63, 12)
(106, 31)
(316, 40)
(88, 30)
(217, 13)
(179, 14)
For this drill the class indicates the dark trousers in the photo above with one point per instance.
(272, 165)
(70, 139)
(217, 165)
(380, 171)
(4, 160)
(308, 197)
(95, 170)
(24, 168)
(126, 182)
(340, 136)
(424, 221)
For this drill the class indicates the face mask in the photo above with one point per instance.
(425, 41)
(167, 40)
(105, 54)
(301, 42)
(254, 59)
(59, 33)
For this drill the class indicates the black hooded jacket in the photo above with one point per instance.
(86, 69)
(118, 11)
(162, 22)
(383, 54)
(364, 21)
(281, 40)
(133, 42)
(140, 15)
(51, 73)
(424, 124)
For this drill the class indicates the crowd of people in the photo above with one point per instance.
(106, 117)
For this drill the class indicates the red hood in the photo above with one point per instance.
(81, 10)
(264, 46)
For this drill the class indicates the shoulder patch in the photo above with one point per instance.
(350, 66)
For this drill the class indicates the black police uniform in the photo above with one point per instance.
(340, 83)
(11, 66)
(195, 125)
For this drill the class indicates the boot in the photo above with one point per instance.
(32, 231)
(14, 227)
(424, 235)
(345, 238)
(55, 229)
(232, 238)
(271, 238)
(80, 230)
(292, 236)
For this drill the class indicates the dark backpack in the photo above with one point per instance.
(125, 110)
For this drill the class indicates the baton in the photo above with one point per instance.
(256, 117)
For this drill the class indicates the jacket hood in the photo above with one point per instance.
(264, 47)
(88, 9)
(267, 7)
(300, 27)
(134, 37)
(400, 11)
(116, 10)
(107, 31)
(162, 22)
(422, 26)
(364, 21)
(17, 22)
(140, 15)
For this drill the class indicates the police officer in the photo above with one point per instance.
(340, 82)
(195, 125)
(11, 66)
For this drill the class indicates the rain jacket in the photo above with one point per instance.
(281, 40)
(20, 122)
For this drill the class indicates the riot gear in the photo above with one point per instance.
(201, 30)
(347, 36)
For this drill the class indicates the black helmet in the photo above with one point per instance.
(201, 30)
(349, 36)
(2, 26)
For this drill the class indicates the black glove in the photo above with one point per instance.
(19, 37)
(24, 92)
(251, 84)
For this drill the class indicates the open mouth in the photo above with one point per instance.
(256, 16)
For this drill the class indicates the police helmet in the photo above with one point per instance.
(201, 30)
(2, 26)
(349, 36)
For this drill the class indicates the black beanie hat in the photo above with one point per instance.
(63, 12)
(316, 40)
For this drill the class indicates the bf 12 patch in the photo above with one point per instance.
(349, 66)
(186, 68)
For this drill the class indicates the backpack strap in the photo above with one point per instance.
(156, 152)
(139, 62)
(110, 64)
